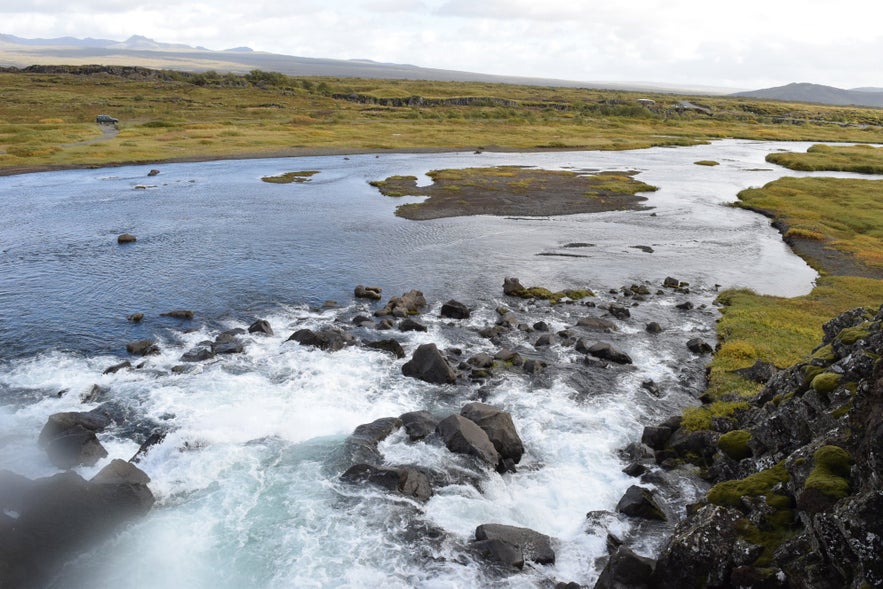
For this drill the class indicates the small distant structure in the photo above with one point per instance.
(106, 120)
(646, 102)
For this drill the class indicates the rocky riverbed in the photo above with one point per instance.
(473, 429)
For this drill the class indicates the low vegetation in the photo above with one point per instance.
(48, 115)
(837, 226)
(291, 177)
(514, 190)
(861, 159)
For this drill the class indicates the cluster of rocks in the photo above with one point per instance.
(797, 499)
(483, 432)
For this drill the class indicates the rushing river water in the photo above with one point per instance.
(247, 475)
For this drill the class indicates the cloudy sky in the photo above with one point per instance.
(743, 44)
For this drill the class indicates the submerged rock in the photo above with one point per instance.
(406, 481)
(126, 238)
(179, 314)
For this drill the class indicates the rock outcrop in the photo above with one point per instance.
(797, 499)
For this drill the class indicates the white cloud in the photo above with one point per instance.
(683, 41)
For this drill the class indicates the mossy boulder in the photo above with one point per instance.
(730, 493)
(735, 444)
(825, 382)
(828, 481)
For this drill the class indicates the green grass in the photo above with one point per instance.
(845, 214)
(291, 177)
(45, 117)
(861, 159)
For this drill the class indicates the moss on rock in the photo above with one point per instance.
(730, 493)
(830, 473)
(735, 444)
(825, 382)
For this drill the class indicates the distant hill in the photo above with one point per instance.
(141, 51)
(804, 92)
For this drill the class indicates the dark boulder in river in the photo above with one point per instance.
(498, 426)
(329, 338)
(606, 351)
(386, 345)
(429, 364)
(455, 310)
(261, 326)
(69, 438)
(418, 424)
(406, 481)
(179, 314)
(59, 515)
(368, 292)
(639, 502)
(464, 436)
(534, 547)
(144, 347)
(699, 346)
(126, 238)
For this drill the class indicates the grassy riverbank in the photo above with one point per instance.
(47, 119)
(837, 226)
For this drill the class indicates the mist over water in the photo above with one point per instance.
(247, 477)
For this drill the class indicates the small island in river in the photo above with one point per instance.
(515, 190)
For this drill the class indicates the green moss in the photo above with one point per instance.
(830, 473)
(730, 493)
(825, 382)
(825, 354)
(850, 335)
(291, 177)
(842, 410)
(699, 418)
(735, 444)
(538, 292)
(810, 371)
(578, 294)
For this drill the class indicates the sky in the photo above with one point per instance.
(745, 44)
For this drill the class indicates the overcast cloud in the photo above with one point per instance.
(746, 44)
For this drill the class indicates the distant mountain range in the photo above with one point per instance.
(804, 92)
(141, 51)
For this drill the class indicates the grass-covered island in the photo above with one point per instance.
(514, 190)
